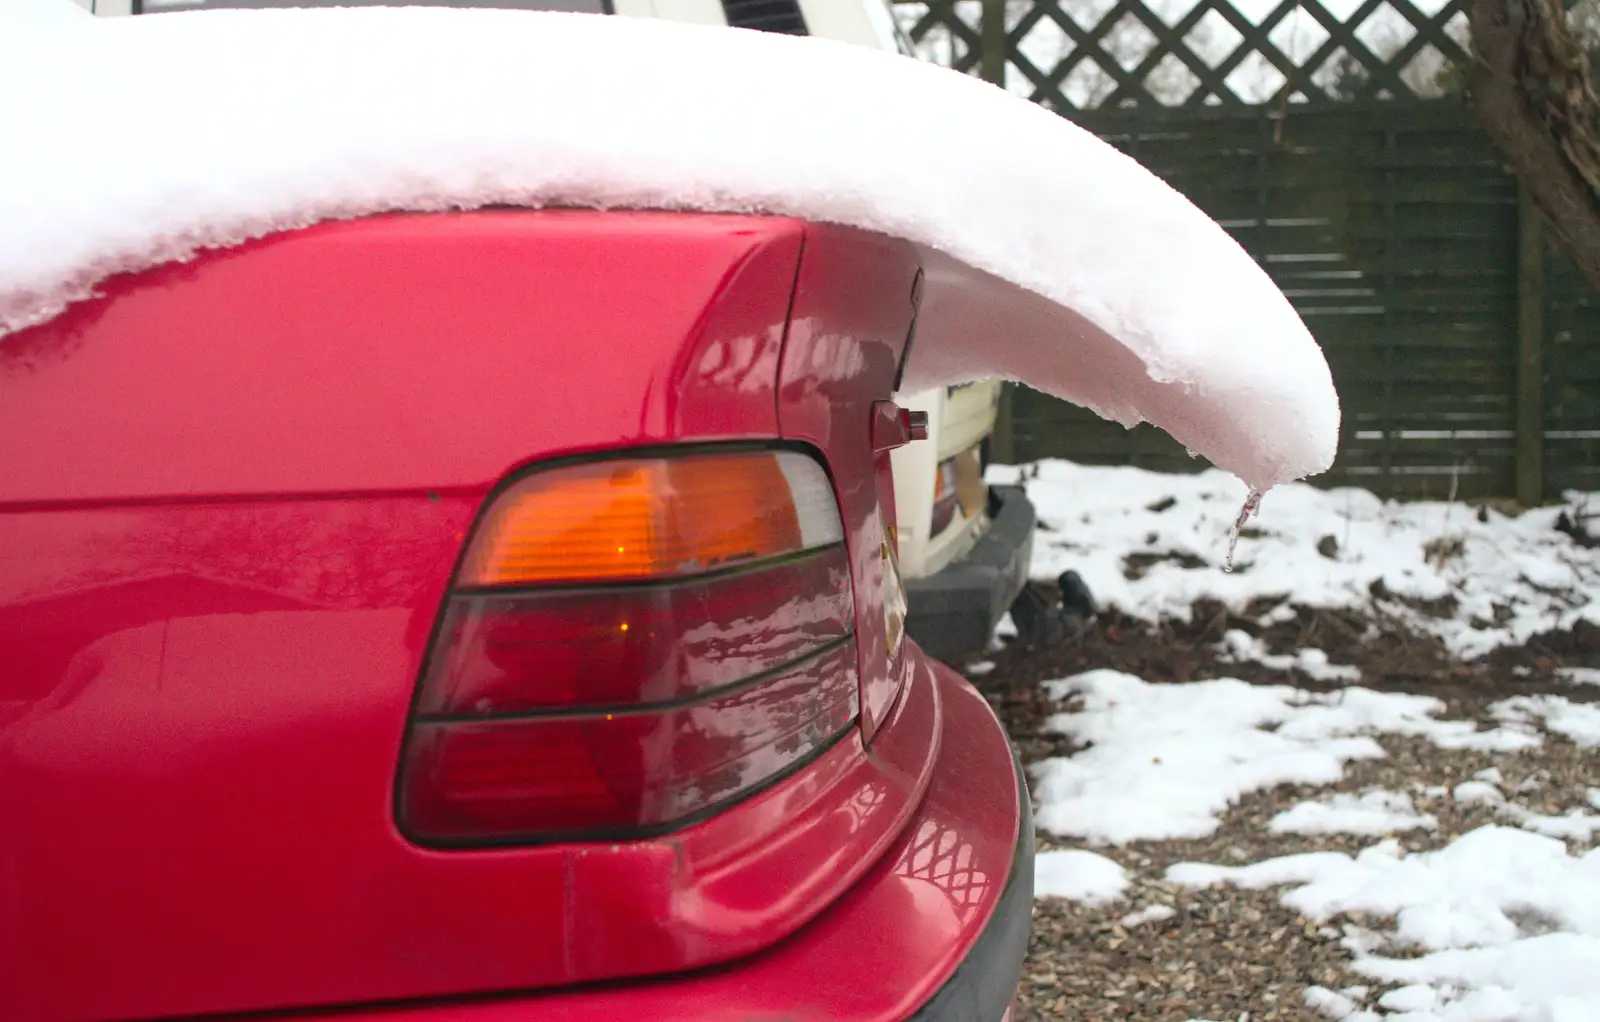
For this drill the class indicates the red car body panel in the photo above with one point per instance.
(401, 353)
(878, 952)
(223, 548)
(853, 312)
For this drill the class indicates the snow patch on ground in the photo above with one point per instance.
(1078, 876)
(1331, 1003)
(1579, 675)
(1242, 647)
(1577, 825)
(1476, 584)
(1573, 825)
(1477, 791)
(1148, 914)
(1373, 813)
(1083, 273)
(1578, 722)
(1165, 760)
(1509, 922)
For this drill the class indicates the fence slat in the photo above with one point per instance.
(1530, 347)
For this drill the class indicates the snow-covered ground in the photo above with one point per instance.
(1507, 923)
(1163, 760)
(1151, 544)
(1496, 923)
(1502, 923)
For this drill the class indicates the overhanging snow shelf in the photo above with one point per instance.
(1053, 259)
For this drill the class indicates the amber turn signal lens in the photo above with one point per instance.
(652, 518)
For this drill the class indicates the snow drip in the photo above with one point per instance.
(1251, 508)
(1051, 258)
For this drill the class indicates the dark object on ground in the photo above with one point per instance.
(956, 610)
(1034, 615)
(1577, 528)
(1046, 616)
(1077, 603)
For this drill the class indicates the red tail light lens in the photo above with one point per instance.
(715, 657)
(633, 772)
(501, 652)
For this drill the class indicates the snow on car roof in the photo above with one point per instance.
(1052, 258)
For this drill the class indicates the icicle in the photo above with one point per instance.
(1252, 504)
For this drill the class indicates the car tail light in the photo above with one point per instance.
(630, 645)
(946, 496)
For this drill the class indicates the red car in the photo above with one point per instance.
(483, 617)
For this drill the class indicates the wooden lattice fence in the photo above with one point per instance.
(1465, 350)
(1207, 52)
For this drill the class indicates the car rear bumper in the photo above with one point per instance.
(956, 610)
(935, 931)
(985, 983)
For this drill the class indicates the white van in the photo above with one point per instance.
(964, 548)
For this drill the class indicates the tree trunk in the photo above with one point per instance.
(1530, 87)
